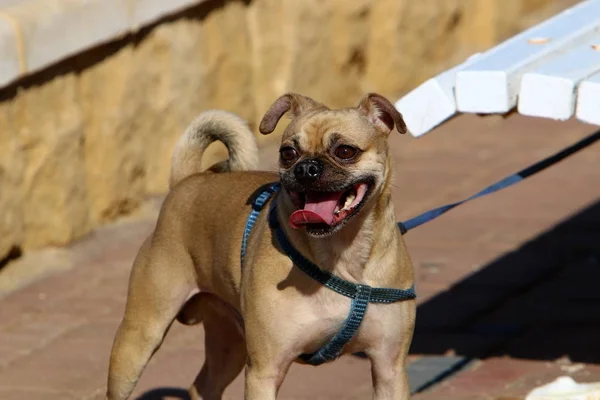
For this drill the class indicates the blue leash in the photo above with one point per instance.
(362, 295)
(502, 184)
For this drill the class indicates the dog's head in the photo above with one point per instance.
(332, 162)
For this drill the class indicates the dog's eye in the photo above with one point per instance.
(288, 154)
(345, 152)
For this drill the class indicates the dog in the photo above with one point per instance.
(335, 208)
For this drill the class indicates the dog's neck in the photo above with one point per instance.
(361, 251)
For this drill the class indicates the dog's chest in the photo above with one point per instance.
(303, 312)
(322, 315)
(318, 317)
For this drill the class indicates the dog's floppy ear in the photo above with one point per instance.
(381, 113)
(295, 103)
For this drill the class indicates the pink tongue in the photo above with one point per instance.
(318, 209)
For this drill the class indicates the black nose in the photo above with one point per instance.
(308, 170)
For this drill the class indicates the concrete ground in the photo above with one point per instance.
(507, 284)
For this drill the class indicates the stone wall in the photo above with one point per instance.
(84, 141)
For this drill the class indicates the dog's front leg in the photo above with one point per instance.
(388, 356)
(270, 343)
(262, 383)
(390, 381)
(266, 368)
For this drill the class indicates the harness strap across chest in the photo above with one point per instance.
(361, 295)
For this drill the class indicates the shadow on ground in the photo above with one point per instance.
(171, 393)
(540, 301)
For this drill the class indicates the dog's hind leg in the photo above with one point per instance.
(224, 344)
(158, 287)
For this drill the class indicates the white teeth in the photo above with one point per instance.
(347, 204)
(349, 201)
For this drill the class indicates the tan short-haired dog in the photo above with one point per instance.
(334, 208)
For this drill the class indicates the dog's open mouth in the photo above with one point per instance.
(322, 211)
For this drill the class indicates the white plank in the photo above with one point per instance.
(491, 84)
(550, 90)
(588, 100)
(432, 102)
(44, 24)
(88, 23)
(10, 60)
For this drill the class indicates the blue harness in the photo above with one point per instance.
(362, 295)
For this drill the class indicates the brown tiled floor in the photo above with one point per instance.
(497, 284)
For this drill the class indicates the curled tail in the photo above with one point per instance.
(208, 127)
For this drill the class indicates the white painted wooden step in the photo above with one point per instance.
(549, 70)
(491, 84)
(431, 103)
(588, 100)
(550, 90)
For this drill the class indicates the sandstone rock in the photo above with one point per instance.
(11, 175)
(114, 148)
(226, 56)
(477, 20)
(48, 122)
(349, 33)
(302, 47)
(271, 55)
(169, 90)
(410, 41)
(311, 61)
(190, 65)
